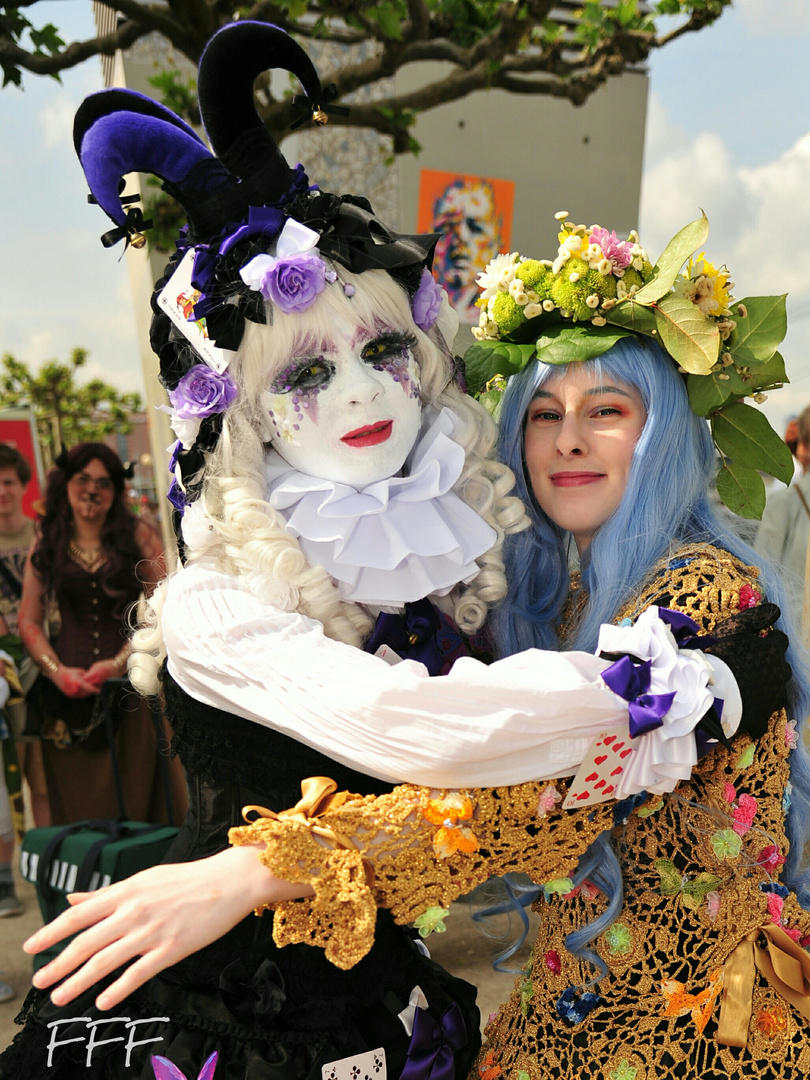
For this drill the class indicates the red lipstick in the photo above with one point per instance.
(575, 479)
(371, 435)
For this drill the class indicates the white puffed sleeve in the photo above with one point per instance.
(528, 717)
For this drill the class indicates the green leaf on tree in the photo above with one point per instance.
(486, 359)
(681, 246)
(569, 344)
(755, 338)
(743, 433)
(742, 490)
(690, 337)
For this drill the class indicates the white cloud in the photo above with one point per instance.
(56, 122)
(772, 18)
(759, 217)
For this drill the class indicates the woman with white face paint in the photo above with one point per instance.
(342, 520)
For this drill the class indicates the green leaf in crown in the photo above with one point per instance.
(599, 289)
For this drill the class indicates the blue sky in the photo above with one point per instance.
(728, 130)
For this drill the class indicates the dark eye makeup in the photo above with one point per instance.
(313, 373)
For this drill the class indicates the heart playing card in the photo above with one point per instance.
(601, 769)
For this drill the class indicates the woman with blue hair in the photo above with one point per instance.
(658, 902)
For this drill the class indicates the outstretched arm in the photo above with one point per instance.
(151, 921)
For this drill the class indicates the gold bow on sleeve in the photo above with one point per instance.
(784, 965)
(319, 796)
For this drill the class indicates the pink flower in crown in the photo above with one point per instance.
(744, 814)
(770, 859)
(167, 1070)
(618, 252)
(749, 597)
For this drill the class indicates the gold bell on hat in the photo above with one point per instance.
(319, 117)
(137, 240)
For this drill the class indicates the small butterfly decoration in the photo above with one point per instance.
(167, 1070)
(451, 814)
(700, 1006)
(692, 893)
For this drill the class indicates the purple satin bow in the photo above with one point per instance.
(632, 681)
(411, 634)
(685, 630)
(430, 1052)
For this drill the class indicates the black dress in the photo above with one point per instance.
(273, 1014)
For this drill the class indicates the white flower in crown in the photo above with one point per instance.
(498, 275)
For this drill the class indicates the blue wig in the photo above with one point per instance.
(667, 503)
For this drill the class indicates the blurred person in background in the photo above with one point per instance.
(784, 532)
(94, 557)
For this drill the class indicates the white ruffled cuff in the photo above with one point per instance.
(666, 755)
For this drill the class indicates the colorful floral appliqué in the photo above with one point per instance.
(526, 995)
(746, 758)
(700, 1006)
(553, 963)
(489, 1068)
(744, 813)
(651, 807)
(549, 797)
(771, 1022)
(692, 891)
(617, 938)
(562, 885)
(726, 844)
(623, 1071)
(791, 735)
(574, 1009)
(749, 597)
(431, 921)
(770, 859)
(452, 836)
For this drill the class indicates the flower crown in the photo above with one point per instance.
(600, 289)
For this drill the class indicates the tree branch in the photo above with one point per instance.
(75, 53)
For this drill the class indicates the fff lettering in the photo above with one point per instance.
(98, 1028)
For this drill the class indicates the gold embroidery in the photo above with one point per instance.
(671, 941)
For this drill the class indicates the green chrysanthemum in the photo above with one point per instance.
(506, 313)
(632, 277)
(536, 276)
(571, 296)
(601, 285)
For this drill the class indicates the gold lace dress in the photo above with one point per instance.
(704, 913)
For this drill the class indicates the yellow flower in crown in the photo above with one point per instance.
(706, 286)
(448, 814)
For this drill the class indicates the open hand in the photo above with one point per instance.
(155, 918)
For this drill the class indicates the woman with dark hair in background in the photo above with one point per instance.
(93, 558)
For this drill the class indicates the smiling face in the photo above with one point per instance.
(581, 432)
(347, 407)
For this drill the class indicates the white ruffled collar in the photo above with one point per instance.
(396, 540)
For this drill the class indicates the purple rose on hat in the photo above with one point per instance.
(427, 301)
(294, 283)
(202, 392)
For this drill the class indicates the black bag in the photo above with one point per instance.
(90, 854)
